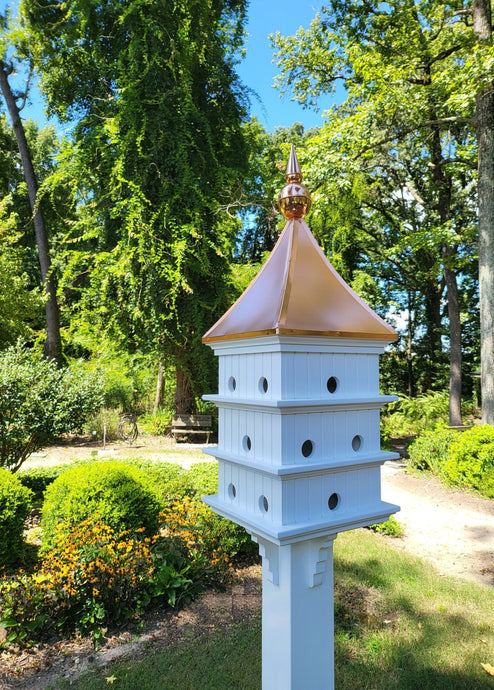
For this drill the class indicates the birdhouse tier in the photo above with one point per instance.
(299, 446)
(288, 509)
(282, 407)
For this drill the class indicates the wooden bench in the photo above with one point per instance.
(191, 424)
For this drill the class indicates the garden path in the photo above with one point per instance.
(452, 529)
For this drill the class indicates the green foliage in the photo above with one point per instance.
(96, 423)
(233, 539)
(397, 625)
(464, 459)
(15, 503)
(20, 302)
(431, 449)
(170, 479)
(187, 523)
(391, 210)
(470, 460)
(128, 378)
(107, 555)
(391, 528)
(123, 496)
(39, 402)
(201, 479)
(204, 478)
(260, 214)
(156, 423)
(410, 416)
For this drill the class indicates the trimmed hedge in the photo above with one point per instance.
(470, 460)
(15, 504)
(120, 494)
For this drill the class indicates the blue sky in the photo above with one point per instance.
(257, 70)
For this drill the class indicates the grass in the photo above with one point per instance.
(399, 625)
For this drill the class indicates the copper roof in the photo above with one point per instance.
(298, 292)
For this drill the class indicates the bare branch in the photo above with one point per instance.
(415, 194)
(472, 164)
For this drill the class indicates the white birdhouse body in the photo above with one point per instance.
(299, 448)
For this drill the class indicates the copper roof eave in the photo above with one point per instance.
(292, 331)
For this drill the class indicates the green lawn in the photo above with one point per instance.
(398, 625)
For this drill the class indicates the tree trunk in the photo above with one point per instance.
(52, 344)
(455, 352)
(411, 381)
(160, 386)
(432, 305)
(448, 253)
(184, 396)
(481, 10)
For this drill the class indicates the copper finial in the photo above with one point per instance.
(294, 199)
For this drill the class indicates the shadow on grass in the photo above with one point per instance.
(398, 624)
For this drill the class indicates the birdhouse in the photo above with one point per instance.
(299, 442)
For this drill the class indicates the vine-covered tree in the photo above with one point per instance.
(158, 109)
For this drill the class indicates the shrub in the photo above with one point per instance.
(187, 522)
(39, 402)
(177, 485)
(15, 504)
(171, 480)
(429, 451)
(38, 479)
(233, 538)
(204, 478)
(470, 461)
(157, 423)
(121, 494)
(93, 573)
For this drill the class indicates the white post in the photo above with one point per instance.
(297, 615)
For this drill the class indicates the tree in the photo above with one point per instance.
(401, 64)
(482, 26)
(159, 110)
(52, 343)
